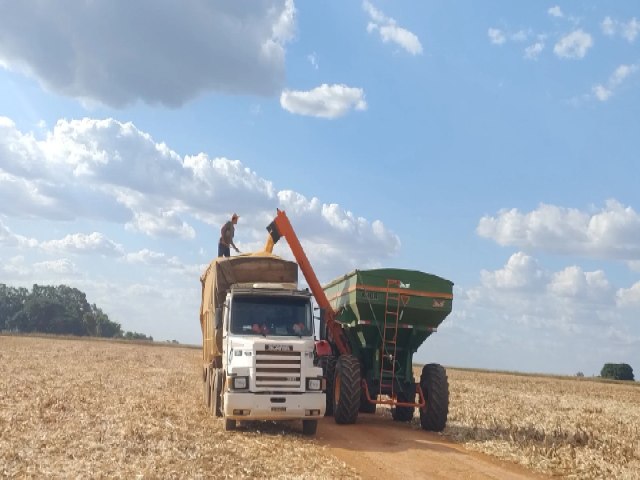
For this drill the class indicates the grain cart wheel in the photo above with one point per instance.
(435, 386)
(346, 389)
(328, 365)
(216, 393)
(404, 414)
(309, 427)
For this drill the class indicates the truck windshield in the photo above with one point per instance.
(267, 315)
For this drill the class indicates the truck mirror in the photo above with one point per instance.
(218, 319)
(323, 325)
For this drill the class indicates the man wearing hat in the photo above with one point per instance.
(226, 237)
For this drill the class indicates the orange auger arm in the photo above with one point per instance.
(281, 227)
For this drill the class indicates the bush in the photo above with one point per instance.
(617, 371)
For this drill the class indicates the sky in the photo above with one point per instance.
(494, 144)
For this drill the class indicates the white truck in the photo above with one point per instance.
(258, 344)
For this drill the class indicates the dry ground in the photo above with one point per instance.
(95, 409)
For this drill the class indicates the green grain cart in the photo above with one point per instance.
(386, 314)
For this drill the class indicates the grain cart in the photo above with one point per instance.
(373, 321)
(258, 344)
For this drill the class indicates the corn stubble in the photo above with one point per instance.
(96, 409)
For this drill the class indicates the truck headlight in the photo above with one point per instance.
(314, 383)
(239, 383)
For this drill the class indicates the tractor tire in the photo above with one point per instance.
(404, 414)
(346, 390)
(309, 427)
(328, 365)
(435, 386)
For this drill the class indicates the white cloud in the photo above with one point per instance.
(94, 243)
(496, 36)
(555, 11)
(574, 282)
(61, 266)
(609, 233)
(628, 30)
(143, 186)
(389, 30)
(629, 297)
(228, 47)
(325, 101)
(620, 74)
(534, 50)
(313, 60)
(574, 45)
(520, 272)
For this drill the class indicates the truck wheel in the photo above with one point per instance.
(435, 386)
(216, 393)
(309, 427)
(346, 389)
(206, 389)
(328, 365)
(229, 424)
(404, 414)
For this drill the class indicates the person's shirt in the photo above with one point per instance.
(227, 233)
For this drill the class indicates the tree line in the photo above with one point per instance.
(60, 310)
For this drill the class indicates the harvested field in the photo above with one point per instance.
(72, 408)
(96, 409)
(565, 427)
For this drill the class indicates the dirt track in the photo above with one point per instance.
(377, 447)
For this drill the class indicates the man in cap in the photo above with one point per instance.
(226, 237)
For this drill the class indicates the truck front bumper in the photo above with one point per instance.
(251, 406)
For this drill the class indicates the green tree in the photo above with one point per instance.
(617, 371)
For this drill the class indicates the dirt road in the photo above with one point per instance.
(377, 447)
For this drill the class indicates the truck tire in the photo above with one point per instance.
(404, 414)
(229, 424)
(216, 393)
(309, 427)
(206, 388)
(328, 365)
(346, 389)
(435, 386)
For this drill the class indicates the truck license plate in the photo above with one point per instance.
(278, 409)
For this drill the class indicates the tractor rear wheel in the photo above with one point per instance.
(328, 365)
(346, 389)
(435, 386)
(309, 427)
(404, 414)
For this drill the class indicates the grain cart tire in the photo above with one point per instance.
(328, 365)
(309, 427)
(346, 389)
(216, 393)
(404, 414)
(435, 386)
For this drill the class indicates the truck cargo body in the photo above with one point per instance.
(258, 345)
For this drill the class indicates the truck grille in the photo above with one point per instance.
(278, 369)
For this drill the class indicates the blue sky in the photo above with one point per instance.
(494, 145)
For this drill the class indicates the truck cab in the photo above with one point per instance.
(268, 351)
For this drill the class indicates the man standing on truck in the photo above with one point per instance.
(226, 237)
